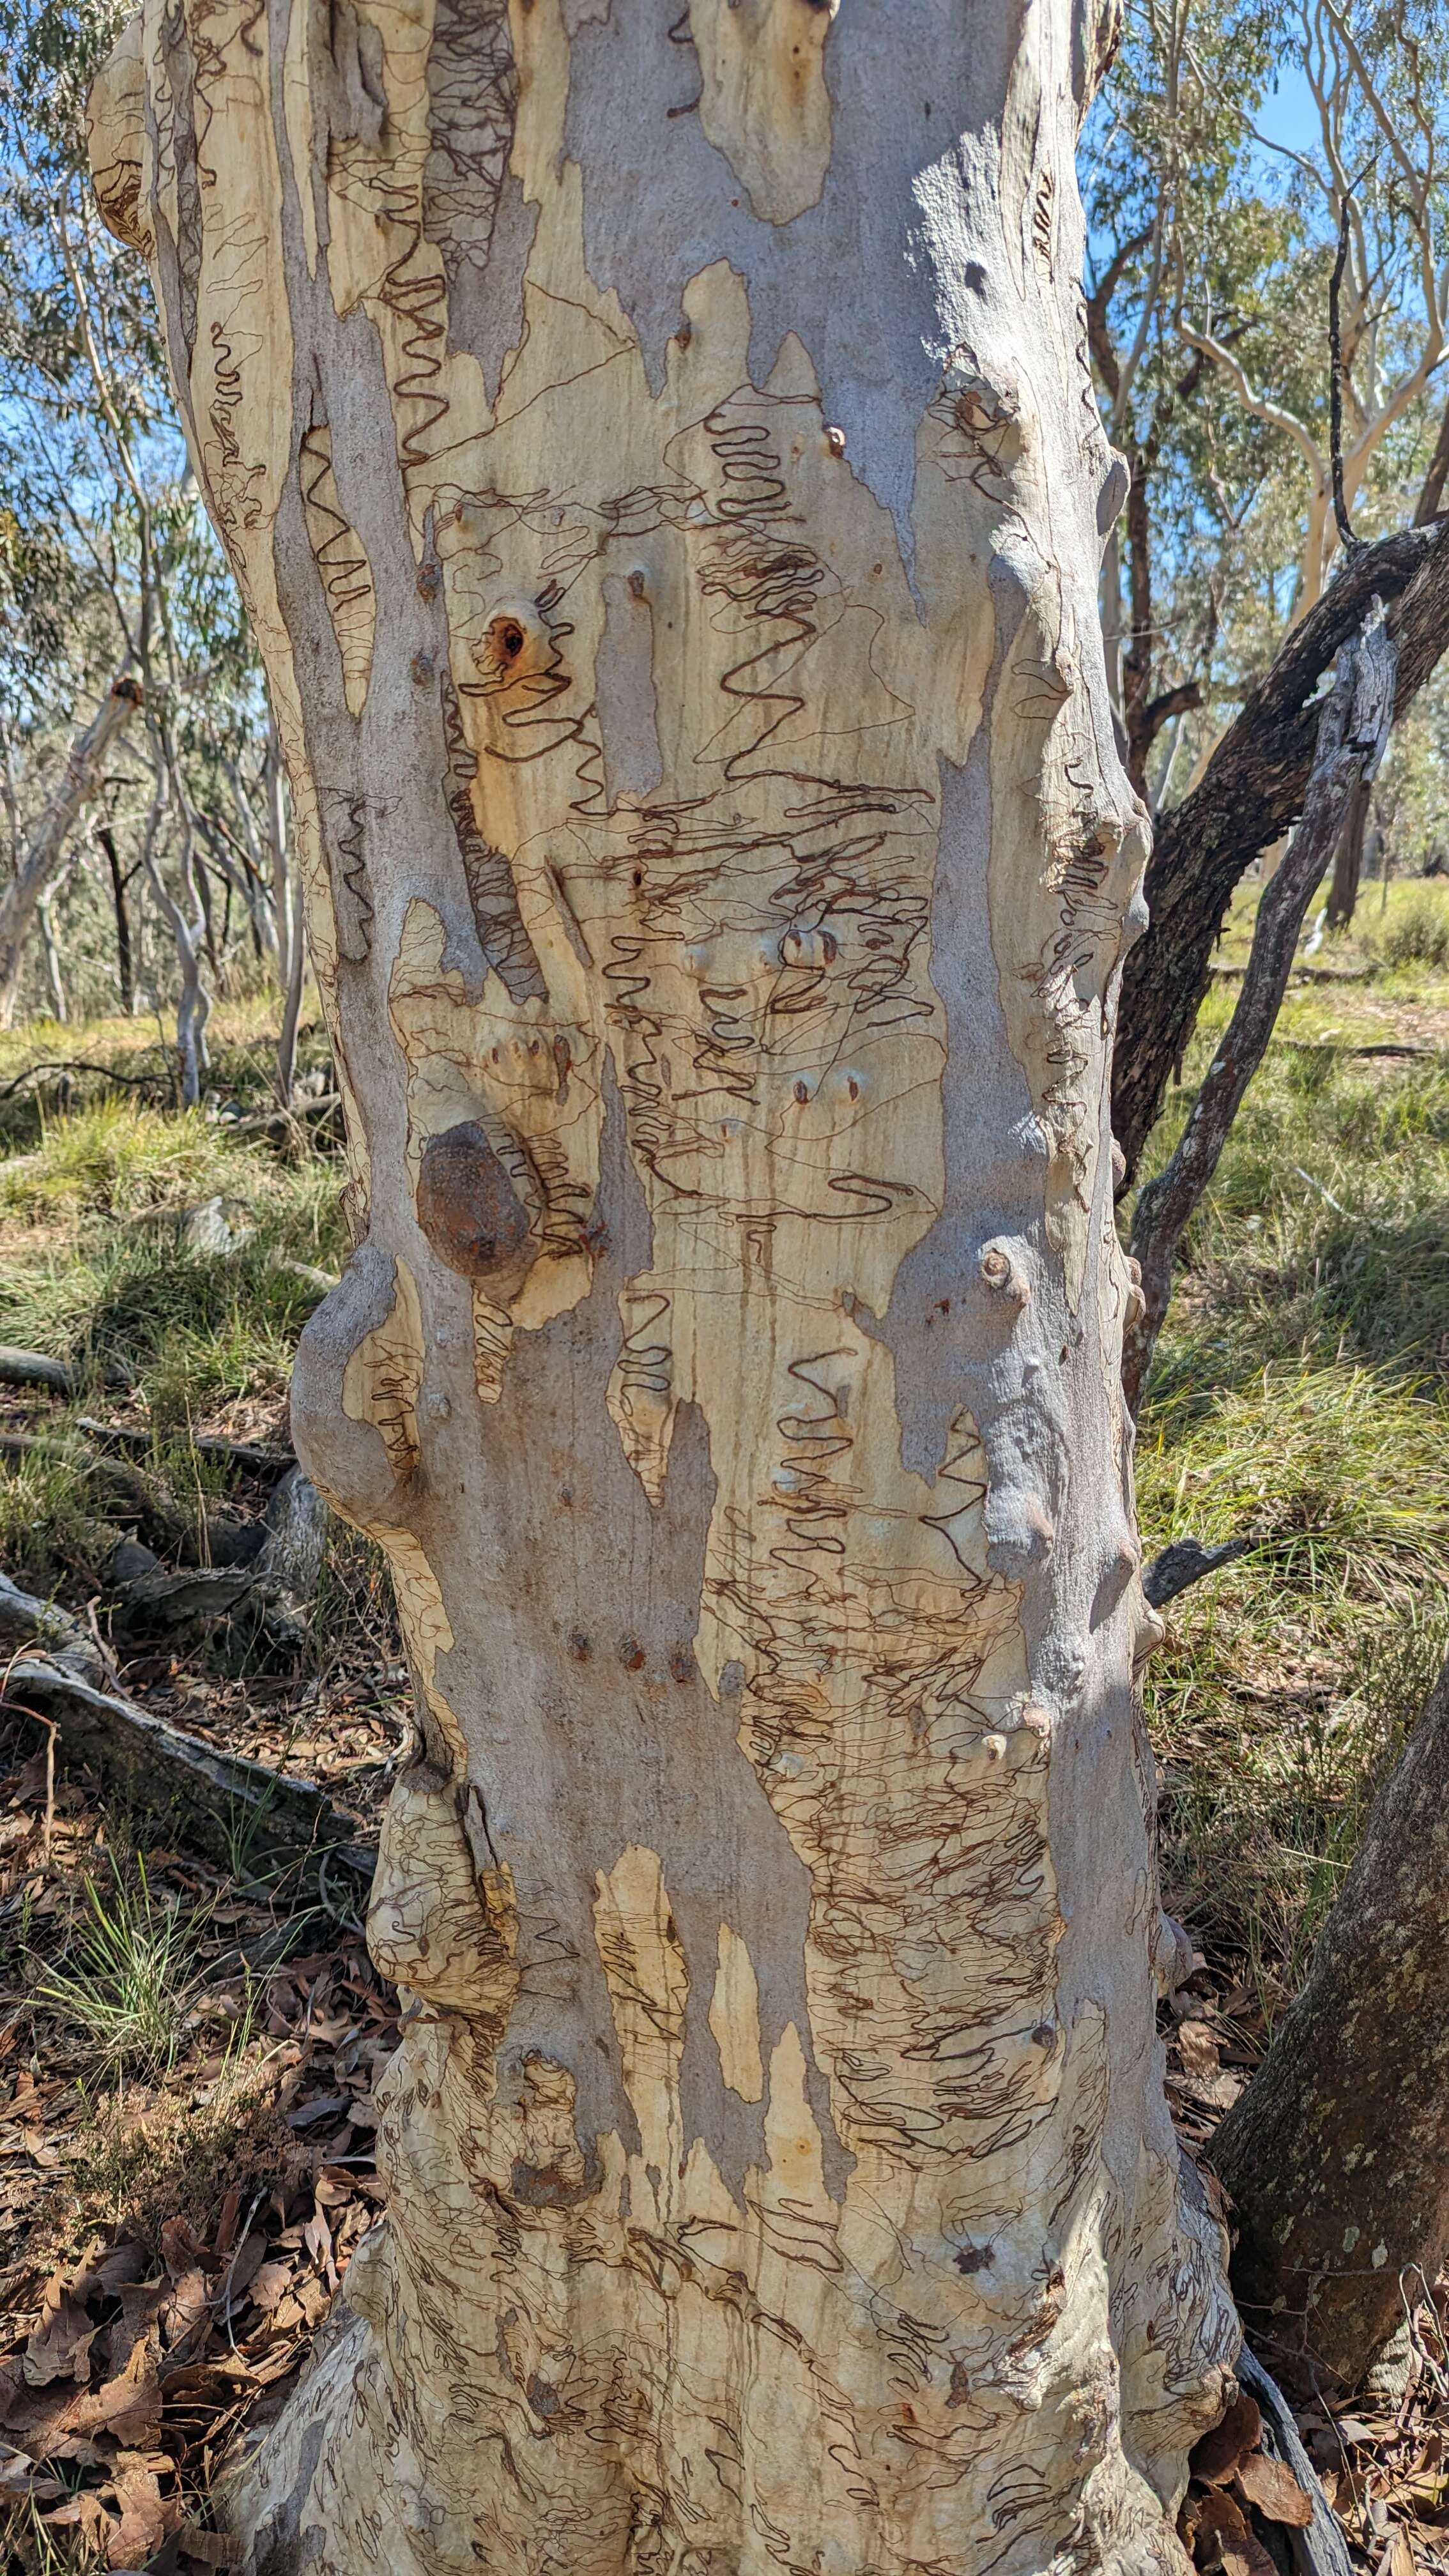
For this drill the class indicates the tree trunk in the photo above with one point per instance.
(283, 889)
(1334, 2156)
(54, 979)
(125, 971)
(83, 776)
(291, 900)
(718, 873)
(1348, 859)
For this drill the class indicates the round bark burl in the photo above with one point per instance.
(467, 1206)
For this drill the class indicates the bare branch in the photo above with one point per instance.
(1335, 378)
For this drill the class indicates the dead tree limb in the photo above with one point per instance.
(1321, 2549)
(1250, 794)
(219, 1801)
(79, 1064)
(1184, 1563)
(1353, 729)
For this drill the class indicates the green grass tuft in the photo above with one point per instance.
(133, 1973)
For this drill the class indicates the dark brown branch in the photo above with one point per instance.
(1099, 338)
(1178, 701)
(1137, 660)
(76, 1064)
(1250, 795)
(1353, 730)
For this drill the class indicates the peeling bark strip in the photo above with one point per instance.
(718, 880)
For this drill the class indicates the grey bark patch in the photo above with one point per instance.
(628, 706)
(283, 2548)
(485, 306)
(346, 1460)
(472, 103)
(181, 70)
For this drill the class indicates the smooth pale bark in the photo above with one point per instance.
(1335, 2153)
(83, 776)
(662, 468)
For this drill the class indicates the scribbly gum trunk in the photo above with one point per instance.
(659, 458)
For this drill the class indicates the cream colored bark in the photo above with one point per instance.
(662, 469)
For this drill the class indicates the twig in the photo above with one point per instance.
(48, 1828)
(1322, 1188)
(1341, 1046)
(76, 1064)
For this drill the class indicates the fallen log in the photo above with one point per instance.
(1304, 974)
(235, 1811)
(191, 1596)
(144, 1494)
(207, 1444)
(1341, 1046)
(32, 1368)
(24, 1620)
(54, 1377)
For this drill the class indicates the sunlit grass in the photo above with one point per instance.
(120, 1159)
(133, 1973)
(1300, 1399)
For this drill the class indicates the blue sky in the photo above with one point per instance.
(1288, 114)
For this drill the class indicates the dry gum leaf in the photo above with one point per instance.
(1275, 2491)
(1217, 2456)
(1224, 2543)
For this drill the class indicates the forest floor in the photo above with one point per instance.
(188, 2042)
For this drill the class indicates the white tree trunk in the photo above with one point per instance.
(82, 778)
(662, 468)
